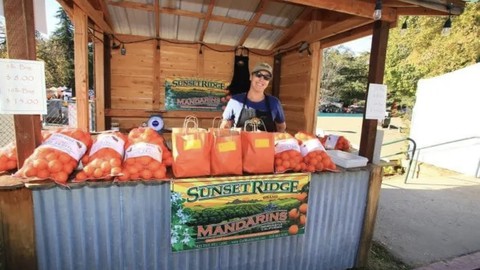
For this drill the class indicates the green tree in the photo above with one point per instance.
(344, 75)
(423, 52)
(62, 40)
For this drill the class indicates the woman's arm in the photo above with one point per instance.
(281, 127)
(226, 124)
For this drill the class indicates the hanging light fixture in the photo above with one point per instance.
(447, 26)
(403, 30)
(377, 13)
(123, 51)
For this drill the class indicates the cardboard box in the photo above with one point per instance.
(347, 160)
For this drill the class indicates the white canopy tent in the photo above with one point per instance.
(447, 110)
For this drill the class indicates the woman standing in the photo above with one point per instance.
(255, 104)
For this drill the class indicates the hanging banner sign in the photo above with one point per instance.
(195, 94)
(22, 87)
(210, 212)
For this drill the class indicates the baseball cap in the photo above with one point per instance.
(263, 66)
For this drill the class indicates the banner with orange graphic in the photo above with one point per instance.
(209, 212)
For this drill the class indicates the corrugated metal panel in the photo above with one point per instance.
(235, 9)
(280, 14)
(132, 21)
(128, 227)
(180, 27)
(262, 38)
(223, 33)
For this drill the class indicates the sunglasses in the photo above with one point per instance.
(259, 75)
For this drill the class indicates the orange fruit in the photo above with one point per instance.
(293, 229)
(303, 220)
(293, 214)
(146, 174)
(302, 197)
(303, 208)
(54, 166)
(40, 164)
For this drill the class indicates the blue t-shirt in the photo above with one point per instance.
(235, 105)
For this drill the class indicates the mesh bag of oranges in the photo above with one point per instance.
(146, 156)
(8, 153)
(57, 156)
(8, 157)
(335, 142)
(287, 154)
(314, 154)
(104, 159)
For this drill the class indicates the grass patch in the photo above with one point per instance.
(380, 259)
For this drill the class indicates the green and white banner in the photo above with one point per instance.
(209, 212)
(194, 94)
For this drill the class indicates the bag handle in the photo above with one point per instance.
(254, 123)
(190, 119)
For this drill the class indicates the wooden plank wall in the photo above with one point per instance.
(133, 78)
(295, 90)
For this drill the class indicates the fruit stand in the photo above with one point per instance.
(128, 224)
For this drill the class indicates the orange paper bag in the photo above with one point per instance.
(191, 148)
(226, 152)
(258, 148)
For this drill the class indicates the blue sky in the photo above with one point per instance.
(51, 6)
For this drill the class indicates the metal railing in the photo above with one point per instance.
(442, 144)
(404, 152)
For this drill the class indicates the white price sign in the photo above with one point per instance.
(376, 101)
(22, 87)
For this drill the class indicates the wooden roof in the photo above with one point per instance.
(256, 24)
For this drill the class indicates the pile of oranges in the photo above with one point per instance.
(57, 156)
(146, 156)
(8, 157)
(302, 152)
(298, 216)
(104, 159)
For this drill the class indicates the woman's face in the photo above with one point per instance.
(259, 80)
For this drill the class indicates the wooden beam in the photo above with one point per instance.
(156, 103)
(93, 14)
(99, 72)
(353, 7)
(277, 74)
(157, 18)
(106, 12)
(302, 20)
(251, 24)
(134, 113)
(419, 11)
(67, 7)
(107, 54)
(311, 101)
(17, 226)
(80, 22)
(332, 30)
(349, 35)
(20, 30)
(375, 75)
(207, 20)
(373, 195)
(455, 9)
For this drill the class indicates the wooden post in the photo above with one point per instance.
(107, 54)
(21, 45)
(277, 72)
(99, 82)
(80, 22)
(374, 187)
(375, 75)
(311, 101)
